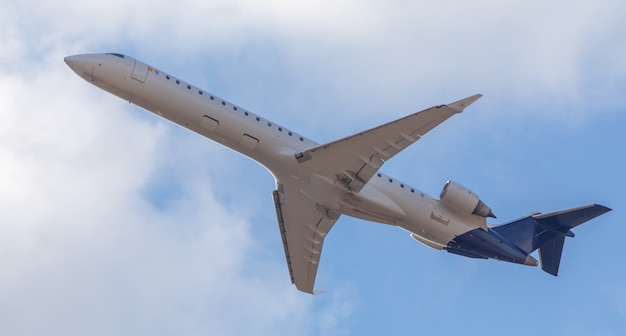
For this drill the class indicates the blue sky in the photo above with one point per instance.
(113, 221)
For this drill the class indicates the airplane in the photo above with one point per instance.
(317, 183)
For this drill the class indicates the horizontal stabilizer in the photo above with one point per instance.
(564, 220)
(547, 232)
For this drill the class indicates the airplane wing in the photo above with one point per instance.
(351, 161)
(303, 226)
(355, 159)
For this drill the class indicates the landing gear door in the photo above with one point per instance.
(140, 71)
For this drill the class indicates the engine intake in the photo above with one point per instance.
(464, 200)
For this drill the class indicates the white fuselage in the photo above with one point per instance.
(383, 199)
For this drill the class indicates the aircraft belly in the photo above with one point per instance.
(372, 203)
(434, 231)
(433, 224)
(488, 244)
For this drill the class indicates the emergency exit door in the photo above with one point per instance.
(140, 71)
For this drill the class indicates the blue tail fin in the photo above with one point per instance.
(547, 232)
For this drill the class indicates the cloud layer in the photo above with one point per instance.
(113, 222)
(84, 252)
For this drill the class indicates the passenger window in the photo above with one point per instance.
(200, 92)
(378, 175)
(224, 103)
(412, 190)
(301, 139)
(290, 134)
(401, 185)
(168, 77)
(235, 108)
(246, 113)
(280, 129)
(258, 119)
(189, 87)
(177, 81)
(212, 98)
(269, 124)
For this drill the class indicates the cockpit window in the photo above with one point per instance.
(116, 54)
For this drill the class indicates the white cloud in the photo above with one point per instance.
(371, 60)
(400, 55)
(529, 50)
(83, 252)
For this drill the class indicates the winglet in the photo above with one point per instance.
(459, 106)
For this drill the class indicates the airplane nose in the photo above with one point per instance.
(77, 63)
(81, 65)
(70, 60)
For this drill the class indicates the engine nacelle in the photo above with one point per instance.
(465, 200)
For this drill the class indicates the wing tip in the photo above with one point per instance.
(602, 208)
(460, 105)
(308, 290)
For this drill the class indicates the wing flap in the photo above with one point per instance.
(303, 226)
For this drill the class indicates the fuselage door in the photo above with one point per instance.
(140, 71)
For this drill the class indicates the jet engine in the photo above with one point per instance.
(463, 199)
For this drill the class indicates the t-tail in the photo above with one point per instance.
(546, 232)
